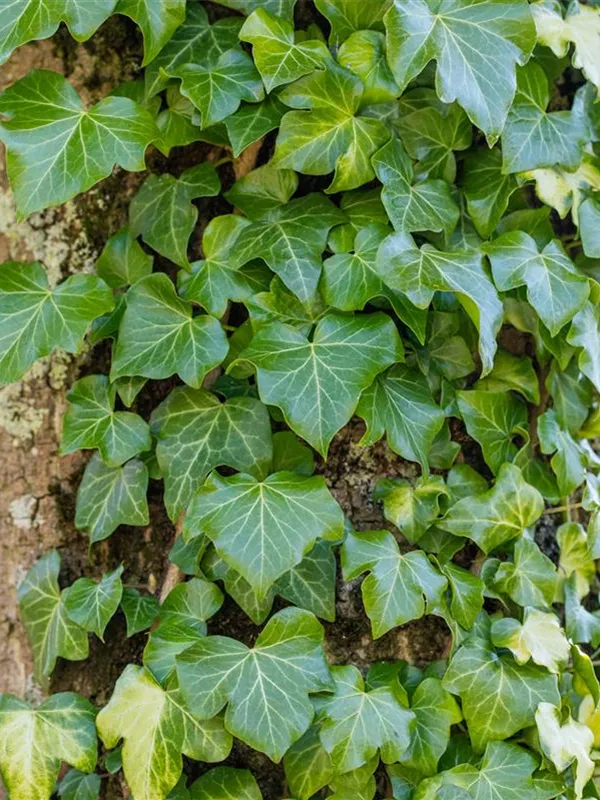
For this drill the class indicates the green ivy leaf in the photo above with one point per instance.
(307, 765)
(224, 783)
(159, 336)
(163, 214)
(554, 287)
(539, 638)
(280, 8)
(399, 587)
(78, 785)
(277, 57)
(264, 189)
(291, 239)
(499, 696)
(34, 742)
(363, 53)
(466, 594)
(514, 373)
(436, 711)
(122, 261)
(111, 496)
(419, 273)
(140, 610)
(56, 149)
(262, 529)
(91, 422)
(252, 121)
(181, 622)
(157, 20)
(348, 16)
(476, 47)
(426, 205)
(254, 605)
(530, 578)
(357, 724)
(350, 280)
(217, 89)
(22, 22)
(589, 222)
(585, 333)
(311, 584)
(328, 135)
(534, 138)
(290, 454)
(487, 189)
(494, 419)
(195, 40)
(495, 517)
(35, 319)
(217, 279)
(400, 404)
(412, 508)
(91, 604)
(196, 433)
(50, 631)
(156, 727)
(266, 688)
(582, 626)
(576, 557)
(317, 383)
(568, 461)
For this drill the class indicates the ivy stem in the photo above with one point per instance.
(561, 509)
(224, 160)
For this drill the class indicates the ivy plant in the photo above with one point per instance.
(393, 225)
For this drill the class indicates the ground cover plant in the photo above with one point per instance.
(387, 242)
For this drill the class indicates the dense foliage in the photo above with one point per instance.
(419, 246)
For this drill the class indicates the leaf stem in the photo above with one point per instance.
(561, 509)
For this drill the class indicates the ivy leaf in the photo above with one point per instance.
(412, 508)
(363, 53)
(568, 461)
(290, 454)
(194, 40)
(436, 711)
(499, 696)
(534, 138)
(400, 404)
(422, 206)
(262, 529)
(217, 279)
(307, 765)
(350, 280)
(35, 319)
(277, 57)
(581, 625)
(311, 584)
(347, 16)
(222, 783)
(51, 633)
(494, 419)
(162, 212)
(78, 785)
(399, 587)
(487, 189)
(122, 261)
(565, 743)
(159, 336)
(419, 273)
(111, 496)
(34, 742)
(467, 594)
(317, 383)
(264, 189)
(217, 89)
(91, 605)
(530, 579)
(254, 605)
(585, 333)
(564, 190)
(554, 287)
(514, 373)
(196, 433)
(576, 557)
(156, 727)
(29, 20)
(476, 46)
(431, 134)
(56, 149)
(291, 239)
(495, 517)
(329, 135)
(540, 638)
(589, 221)
(181, 622)
(581, 26)
(91, 422)
(356, 724)
(140, 610)
(252, 121)
(266, 688)
(157, 21)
